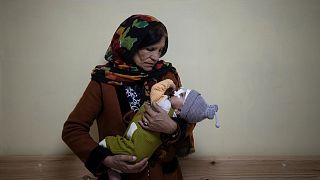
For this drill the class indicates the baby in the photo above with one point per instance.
(184, 103)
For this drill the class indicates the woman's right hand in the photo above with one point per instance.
(125, 163)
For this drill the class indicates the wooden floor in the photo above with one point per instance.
(251, 168)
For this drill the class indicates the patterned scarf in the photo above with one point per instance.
(120, 69)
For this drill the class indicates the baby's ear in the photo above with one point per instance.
(177, 111)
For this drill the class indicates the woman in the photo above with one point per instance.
(116, 92)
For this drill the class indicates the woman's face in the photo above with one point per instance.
(148, 56)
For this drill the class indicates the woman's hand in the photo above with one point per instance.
(156, 119)
(125, 163)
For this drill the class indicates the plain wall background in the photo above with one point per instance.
(1, 80)
(259, 60)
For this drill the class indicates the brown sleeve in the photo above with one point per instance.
(173, 75)
(76, 129)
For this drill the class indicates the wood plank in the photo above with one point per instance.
(251, 168)
(43, 167)
(228, 167)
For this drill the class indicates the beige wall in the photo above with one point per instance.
(259, 60)
(1, 80)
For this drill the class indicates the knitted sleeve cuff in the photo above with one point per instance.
(94, 162)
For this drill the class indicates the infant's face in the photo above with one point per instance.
(177, 102)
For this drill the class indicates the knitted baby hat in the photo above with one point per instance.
(195, 108)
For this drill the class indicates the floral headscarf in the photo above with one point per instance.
(126, 41)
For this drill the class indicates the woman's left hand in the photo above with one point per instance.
(156, 119)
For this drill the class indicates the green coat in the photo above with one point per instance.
(142, 143)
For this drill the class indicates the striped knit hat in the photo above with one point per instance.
(195, 108)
